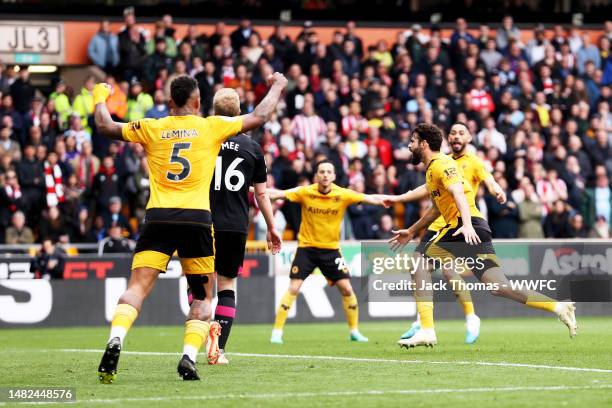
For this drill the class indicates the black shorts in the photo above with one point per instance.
(422, 246)
(329, 261)
(193, 243)
(229, 252)
(482, 255)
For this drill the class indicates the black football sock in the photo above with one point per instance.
(225, 313)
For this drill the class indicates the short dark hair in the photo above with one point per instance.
(461, 123)
(431, 134)
(324, 161)
(181, 89)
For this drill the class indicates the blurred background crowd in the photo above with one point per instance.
(538, 111)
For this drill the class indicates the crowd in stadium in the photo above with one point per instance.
(539, 113)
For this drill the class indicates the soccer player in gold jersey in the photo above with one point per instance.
(323, 206)
(474, 172)
(466, 235)
(181, 150)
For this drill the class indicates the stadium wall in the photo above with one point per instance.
(91, 286)
(41, 303)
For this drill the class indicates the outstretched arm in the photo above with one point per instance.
(495, 189)
(266, 107)
(417, 194)
(276, 194)
(375, 199)
(105, 124)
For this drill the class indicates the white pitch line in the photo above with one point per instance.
(330, 394)
(356, 359)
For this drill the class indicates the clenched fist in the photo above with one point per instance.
(277, 79)
(101, 92)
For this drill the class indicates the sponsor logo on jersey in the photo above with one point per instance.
(321, 211)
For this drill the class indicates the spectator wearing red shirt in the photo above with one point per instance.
(385, 151)
(481, 99)
(354, 120)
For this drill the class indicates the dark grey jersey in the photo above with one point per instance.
(239, 165)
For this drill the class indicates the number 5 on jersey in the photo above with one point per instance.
(175, 158)
(231, 172)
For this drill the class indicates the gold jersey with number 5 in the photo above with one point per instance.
(181, 152)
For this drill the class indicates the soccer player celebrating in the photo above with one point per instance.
(474, 173)
(181, 150)
(239, 165)
(453, 198)
(323, 206)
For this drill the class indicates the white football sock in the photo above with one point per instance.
(118, 331)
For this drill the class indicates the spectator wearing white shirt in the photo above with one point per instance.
(76, 129)
(574, 40)
(537, 46)
(507, 32)
(489, 136)
(309, 127)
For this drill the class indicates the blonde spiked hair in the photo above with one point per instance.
(226, 102)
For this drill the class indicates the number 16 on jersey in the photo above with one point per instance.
(231, 172)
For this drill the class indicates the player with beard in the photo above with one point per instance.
(181, 151)
(474, 173)
(454, 199)
(323, 206)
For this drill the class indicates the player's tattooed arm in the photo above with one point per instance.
(104, 123)
(262, 112)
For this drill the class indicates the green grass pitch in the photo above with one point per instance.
(533, 364)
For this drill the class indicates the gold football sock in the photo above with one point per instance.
(463, 296)
(122, 320)
(351, 309)
(196, 331)
(541, 302)
(283, 310)
(425, 310)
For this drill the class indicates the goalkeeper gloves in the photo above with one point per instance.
(100, 93)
